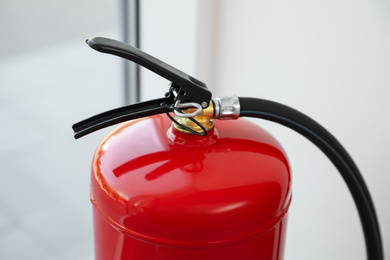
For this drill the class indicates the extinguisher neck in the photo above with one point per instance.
(223, 108)
(201, 123)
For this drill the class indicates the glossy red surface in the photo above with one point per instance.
(161, 194)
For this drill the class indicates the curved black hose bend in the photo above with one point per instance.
(264, 109)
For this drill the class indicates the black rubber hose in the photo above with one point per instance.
(269, 110)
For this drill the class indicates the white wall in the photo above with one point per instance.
(330, 60)
(168, 31)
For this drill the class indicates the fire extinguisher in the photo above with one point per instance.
(172, 182)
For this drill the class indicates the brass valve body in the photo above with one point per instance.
(205, 118)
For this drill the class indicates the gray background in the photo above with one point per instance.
(48, 82)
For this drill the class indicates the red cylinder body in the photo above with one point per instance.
(160, 194)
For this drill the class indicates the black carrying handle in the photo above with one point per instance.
(190, 89)
(122, 114)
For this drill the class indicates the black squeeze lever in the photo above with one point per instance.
(184, 89)
(191, 89)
